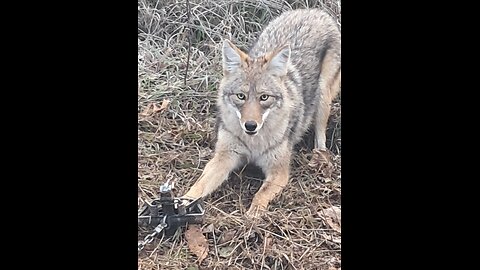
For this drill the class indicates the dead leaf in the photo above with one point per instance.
(148, 137)
(210, 228)
(146, 111)
(226, 236)
(333, 217)
(197, 243)
(155, 108)
(165, 104)
(152, 108)
(225, 252)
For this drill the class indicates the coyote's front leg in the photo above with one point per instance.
(215, 173)
(217, 169)
(277, 171)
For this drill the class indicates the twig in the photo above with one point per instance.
(189, 42)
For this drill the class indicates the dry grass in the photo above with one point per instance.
(176, 141)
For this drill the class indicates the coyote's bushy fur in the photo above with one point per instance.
(269, 97)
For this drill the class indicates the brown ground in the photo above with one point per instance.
(176, 136)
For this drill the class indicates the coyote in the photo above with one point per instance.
(269, 97)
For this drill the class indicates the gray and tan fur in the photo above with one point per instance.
(269, 98)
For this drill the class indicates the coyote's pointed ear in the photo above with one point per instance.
(278, 61)
(232, 57)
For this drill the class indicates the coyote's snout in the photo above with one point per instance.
(269, 97)
(251, 113)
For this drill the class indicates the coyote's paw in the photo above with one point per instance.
(255, 211)
(321, 162)
(185, 200)
(320, 158)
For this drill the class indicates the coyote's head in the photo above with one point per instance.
(253, 87)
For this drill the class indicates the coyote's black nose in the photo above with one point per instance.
(250, 125)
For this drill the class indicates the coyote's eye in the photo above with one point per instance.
(241, 96)
(264, 97)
